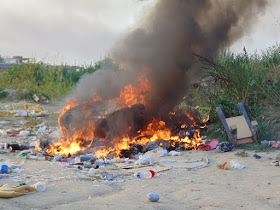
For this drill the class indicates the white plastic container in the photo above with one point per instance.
(40, 186)
(92, 172)
(77, 160)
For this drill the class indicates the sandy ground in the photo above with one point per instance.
(254, 187)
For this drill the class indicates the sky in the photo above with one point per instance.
(78, 32)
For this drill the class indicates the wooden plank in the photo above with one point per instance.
(244, 141)
(244, 113)
(222, 118)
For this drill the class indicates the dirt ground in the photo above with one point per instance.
(254, 187)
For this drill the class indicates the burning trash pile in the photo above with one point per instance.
(124, 132)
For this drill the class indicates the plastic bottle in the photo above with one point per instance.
(35, 157)
(144, 175)
(40, 186)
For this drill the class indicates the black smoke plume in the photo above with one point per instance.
(161, 47)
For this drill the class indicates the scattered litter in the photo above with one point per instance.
(87, 157)
(205, 147)
(4, 168)
(242, 154)
(10, 192)
(275, 163)
(100, 162)
(235, 164)
(14, 132)
(144, 175)
(153, 197)
(24, 133)
(4, 122)
(58, 158)
(232, 164)
(21, 113)
(174, 153)
(226, 146)
(36, 108)
(40, 99)
(210, 146)
(92, 172)
(107, 176)
(223, 166)
(34, 157)
(266, 142)
(161, 152)
(276, 144)
(257, 156)
(3, 132)
(33, 144)
(3, 145)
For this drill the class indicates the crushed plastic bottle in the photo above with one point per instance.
(107, 176)
(144, 175)
(40, 186)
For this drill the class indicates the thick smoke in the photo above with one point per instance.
(161, 46)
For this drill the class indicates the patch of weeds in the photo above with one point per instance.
(3, 94)
(242, 154)
(215, 131)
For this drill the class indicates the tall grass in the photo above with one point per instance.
(251, 79)
(52, 81)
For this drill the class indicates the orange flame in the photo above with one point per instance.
(156, 130)
(131, 95)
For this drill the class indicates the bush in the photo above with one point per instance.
(253, 80)
(49, 80)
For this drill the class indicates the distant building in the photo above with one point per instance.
(15, 60)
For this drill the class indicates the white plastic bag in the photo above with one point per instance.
(235, 164)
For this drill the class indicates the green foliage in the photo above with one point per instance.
(3, 94)
(253, 80)
(52, 81)
(1, 59)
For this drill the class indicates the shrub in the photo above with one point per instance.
(52, 81)
(251, 79)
